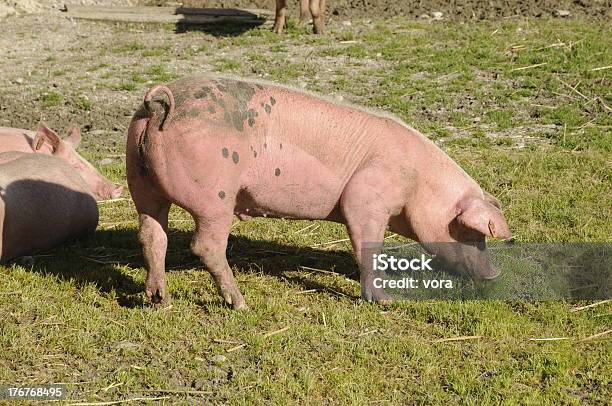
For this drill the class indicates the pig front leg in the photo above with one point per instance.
(366, 215)
(209, 243)
(154, 241)
(370, 232)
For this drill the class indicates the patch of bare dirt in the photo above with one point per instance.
(455, 10)
(22, 7)
(346, 9)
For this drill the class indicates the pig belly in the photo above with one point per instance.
(300, 189)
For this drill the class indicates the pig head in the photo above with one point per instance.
(458, 238)
(48, 141)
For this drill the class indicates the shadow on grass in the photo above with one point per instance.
(217, 22)
(99, 260)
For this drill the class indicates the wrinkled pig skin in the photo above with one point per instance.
(43, 203)
(47, 141)
(222, 146)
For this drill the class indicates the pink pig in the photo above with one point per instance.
(43, 203)
(46, 141)
(219, 146)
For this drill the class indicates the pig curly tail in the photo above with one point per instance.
(149, 96)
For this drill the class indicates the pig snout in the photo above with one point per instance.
(101, 188)
(116, 192)
(475, 261)
(466, 258)
(492, 272)
(107, 190)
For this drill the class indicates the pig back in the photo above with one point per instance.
(16, 139)
(43, 203)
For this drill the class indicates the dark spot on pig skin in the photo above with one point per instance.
(281, 145)
(241, 92)
(225, 152)
(268, 108)
(202, 93)
(222, 194)
(238, 118)
(251, 114)
(235, 157)
(272, 100)
(277, 172)
(265, 145)
(255, 154)
(211, 109)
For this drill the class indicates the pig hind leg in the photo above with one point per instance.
(209, 243)
(153, 216)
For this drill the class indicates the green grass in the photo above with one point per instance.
(226, 65)
(129, 86)
(159, 73)
(78, 314)
(51, 99)
(84, 103)
(131, 47)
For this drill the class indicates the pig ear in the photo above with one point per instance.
(74, 136)
(490, 199)
(45, 134)
(484, 217)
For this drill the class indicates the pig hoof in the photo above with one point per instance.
(234, 299)
(157, 297)
(237, 302)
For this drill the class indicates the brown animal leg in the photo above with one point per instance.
(279, 19)
(304, 10)
(317, 9)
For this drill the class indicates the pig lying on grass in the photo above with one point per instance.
(43, 203)
(218, 147)
(47, 141)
